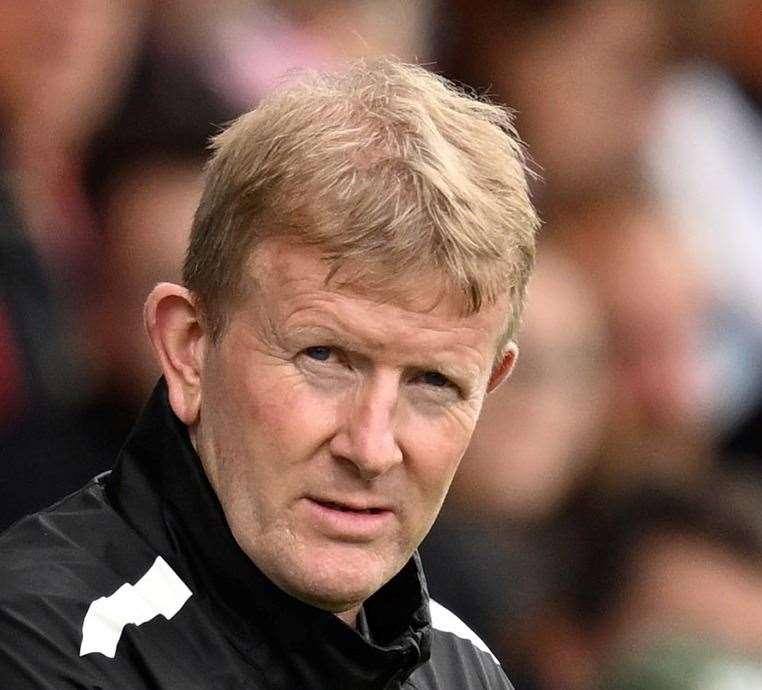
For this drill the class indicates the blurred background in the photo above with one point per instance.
(605, 529)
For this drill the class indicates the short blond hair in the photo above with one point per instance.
(383, 164)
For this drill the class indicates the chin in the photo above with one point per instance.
(332, 594)
(337, 584)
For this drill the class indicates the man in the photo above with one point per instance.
(356, 270)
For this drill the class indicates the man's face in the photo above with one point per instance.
(332, 422)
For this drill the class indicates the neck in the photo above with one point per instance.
(349, 616)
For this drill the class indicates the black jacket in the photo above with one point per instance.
(135, 581)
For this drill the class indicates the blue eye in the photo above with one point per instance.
(434, 378)
(319, 353)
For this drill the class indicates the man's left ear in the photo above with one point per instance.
(172, 320)
(503, 368)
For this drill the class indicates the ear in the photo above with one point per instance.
(172, 320)
(504, 366)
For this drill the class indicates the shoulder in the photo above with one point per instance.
(64, 548)
(36, 547)
(445, 621)
(459, 657)
(53, 564)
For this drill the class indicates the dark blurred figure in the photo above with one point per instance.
(660, 567)
(31, 352)
(142, 180)
(36, 374)
(79, 54)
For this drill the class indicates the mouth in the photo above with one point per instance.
(347, 508)
(349, 521)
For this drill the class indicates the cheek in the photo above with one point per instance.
(292, 419)
(435, 452)
(430, 470)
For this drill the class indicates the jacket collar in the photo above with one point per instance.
(158, 485)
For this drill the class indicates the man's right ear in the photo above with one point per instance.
(174, 326)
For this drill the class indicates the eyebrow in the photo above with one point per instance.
(326, 333)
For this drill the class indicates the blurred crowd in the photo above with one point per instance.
(605, 529)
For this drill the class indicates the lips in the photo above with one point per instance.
(350, 507)
(349, 520)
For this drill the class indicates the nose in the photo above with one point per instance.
(367, 437)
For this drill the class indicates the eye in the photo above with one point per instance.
(438, 387)
(319, 353)
(435, 379)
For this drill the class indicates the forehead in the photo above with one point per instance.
(300, 284)
(279, 261)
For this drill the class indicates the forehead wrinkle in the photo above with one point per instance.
(287, 261)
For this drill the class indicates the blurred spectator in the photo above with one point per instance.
(705, 158)
(30, 344)
(143, 178)
(143, 175)
(251, 46)
(660, 420)
(537, 431)
(80, 55)
(34, 369)
(49, 92)
(531, 448)
(583, 77)
(149, 212)
(656, 567)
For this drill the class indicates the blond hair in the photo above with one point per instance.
(385, 165)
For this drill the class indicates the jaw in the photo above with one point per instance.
(332, 575)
